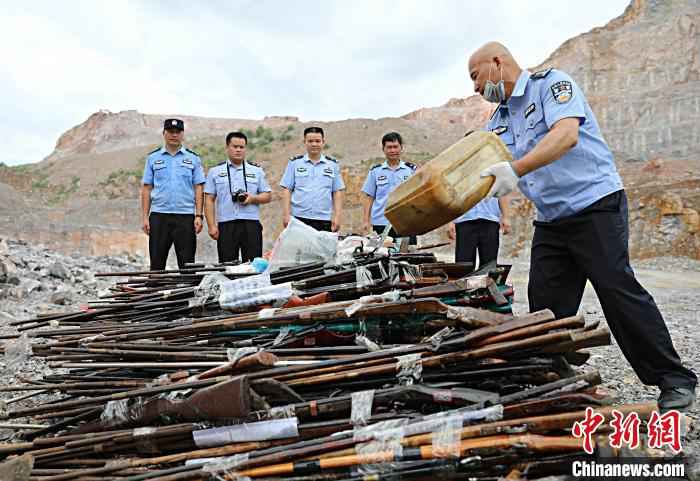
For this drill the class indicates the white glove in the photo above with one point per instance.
(506, 179)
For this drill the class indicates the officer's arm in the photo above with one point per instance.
(338, 188)
(198, 198)
(263, 197)
(146, 200)
(210, 210)
(504, 205)
(146, 188)
(561, 138)
(286, 203)
(264, 194)
(337, 205)
(367, 201)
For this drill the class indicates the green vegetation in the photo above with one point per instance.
(18, 169)
(121, 176)
(42, 182)
(213, 151)
(62, 192)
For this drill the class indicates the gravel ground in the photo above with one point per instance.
(674, 282)
(38, 280)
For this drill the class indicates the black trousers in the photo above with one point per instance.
(412, 240)
(593, 245)
(473, 235)
(242, 237)
(169, 229)
(317, 224)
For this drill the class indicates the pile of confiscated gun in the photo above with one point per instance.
(393, 366)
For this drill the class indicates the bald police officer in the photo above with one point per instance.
(381, 181)
(477, 231)
(234, 191)
(563, 165)
(171, 198)
(312, 186)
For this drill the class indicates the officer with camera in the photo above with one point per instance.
(233, 193)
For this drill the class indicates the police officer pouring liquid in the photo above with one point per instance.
(381, 180)
(234, 191)
(477, 230)
(563, 165)
(312, 186)
(171, 198)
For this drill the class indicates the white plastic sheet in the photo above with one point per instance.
(252, 291)
(299, 243)
(246, 432)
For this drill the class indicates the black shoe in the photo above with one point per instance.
(679, 398)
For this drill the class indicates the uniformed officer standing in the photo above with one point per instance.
(563, 165)
(312, 186)
(171, 198)
(234, 191)
(381, 180)
(478, 229)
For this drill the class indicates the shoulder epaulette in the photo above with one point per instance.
(296, 157)
(541, 74)
(253, 163)
(154, 151)
(411, 165)
(220, 163)
(331, 159)
(191, 151)
(375, 166)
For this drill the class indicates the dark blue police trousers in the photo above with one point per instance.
(593, 245)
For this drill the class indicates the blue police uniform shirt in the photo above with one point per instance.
(312, 186)
(487, 209)
(173, 178)
(218, 185)
(583, 175)
(381, 181)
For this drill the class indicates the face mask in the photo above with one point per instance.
(495, 93)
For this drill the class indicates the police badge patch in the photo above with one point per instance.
(562, 91)
(500, 129)
(530, 108)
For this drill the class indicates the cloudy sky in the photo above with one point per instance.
(319, 60)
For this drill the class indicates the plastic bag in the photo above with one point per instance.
(409, 369)
(235, 354)
(123, 411)
(361, 407)
(346, 248)
(363, 277)
(299, 244)
(447, 438)
(364, 341)
(208, 289)
(247, 432)
(210, 285)
(252, 291)
(226, 466)
(390, 296)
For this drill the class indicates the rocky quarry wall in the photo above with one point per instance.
(640, 72)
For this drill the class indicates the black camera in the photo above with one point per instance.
(240, 196)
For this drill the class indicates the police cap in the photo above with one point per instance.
(173, 124)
